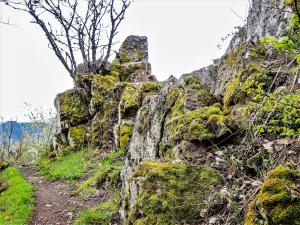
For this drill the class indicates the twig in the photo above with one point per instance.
(237, 15)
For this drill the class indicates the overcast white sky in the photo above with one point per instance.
(183, 36)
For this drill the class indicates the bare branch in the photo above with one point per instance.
(73, 29)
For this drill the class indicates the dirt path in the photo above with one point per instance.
(55, 204)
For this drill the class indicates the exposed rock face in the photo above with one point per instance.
(132, 64)
(265, 20)
(206, 75)
(182, 127)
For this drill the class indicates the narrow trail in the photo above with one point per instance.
(55, 204)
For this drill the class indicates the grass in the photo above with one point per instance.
(101, 214)
(68, 167)
(16, 198)
(107, 171)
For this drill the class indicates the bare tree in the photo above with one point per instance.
(21, 143)
(86, 26)
(42, 125)
(7, 130)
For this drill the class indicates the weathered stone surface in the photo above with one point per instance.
(132, 64)
(88, 68)
(207, 76)
(134, 49)
(147, 134)
(266, 20)
(72, 109)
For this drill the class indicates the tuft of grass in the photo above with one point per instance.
(69, 167)
(106, 172)
(101, 214)
(16, 198)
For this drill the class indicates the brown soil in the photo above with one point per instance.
(55, 203)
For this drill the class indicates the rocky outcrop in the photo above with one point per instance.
(182, 133)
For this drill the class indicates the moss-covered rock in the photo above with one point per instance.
(131, 101)
(130, 71)
(171, 193)
(133, 95)
(72, 107)
(148, 89)
(102, 91)
(278, 201)
(3, 165)
(103, 125)
(78, 136)
(126, 131)
(134, 49)
(202, 124)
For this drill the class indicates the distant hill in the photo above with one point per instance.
(18, 128)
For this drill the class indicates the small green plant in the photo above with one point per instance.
(279, 115)
(16, 198)
(101, 214)
(108, 170)
(69, 167)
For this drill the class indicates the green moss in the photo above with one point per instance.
(102, 90)
(202, 94)
(131, 100)
(175, 101)
(105, 119)
(73, 107)
(236, 56)
(133, 95)
(259, 51)
(230, 89)
(256, 84)
(278, 198)
(115, 68)
(252, 88)
(103, 124)
(148, 88)
(190, 80)
(126, 131)
(16, 199)
(176, 98)
(171, 193)
(178, 107)
(124, 70)
(78, 136)
(199, 124)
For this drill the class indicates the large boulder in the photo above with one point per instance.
(169, 193)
